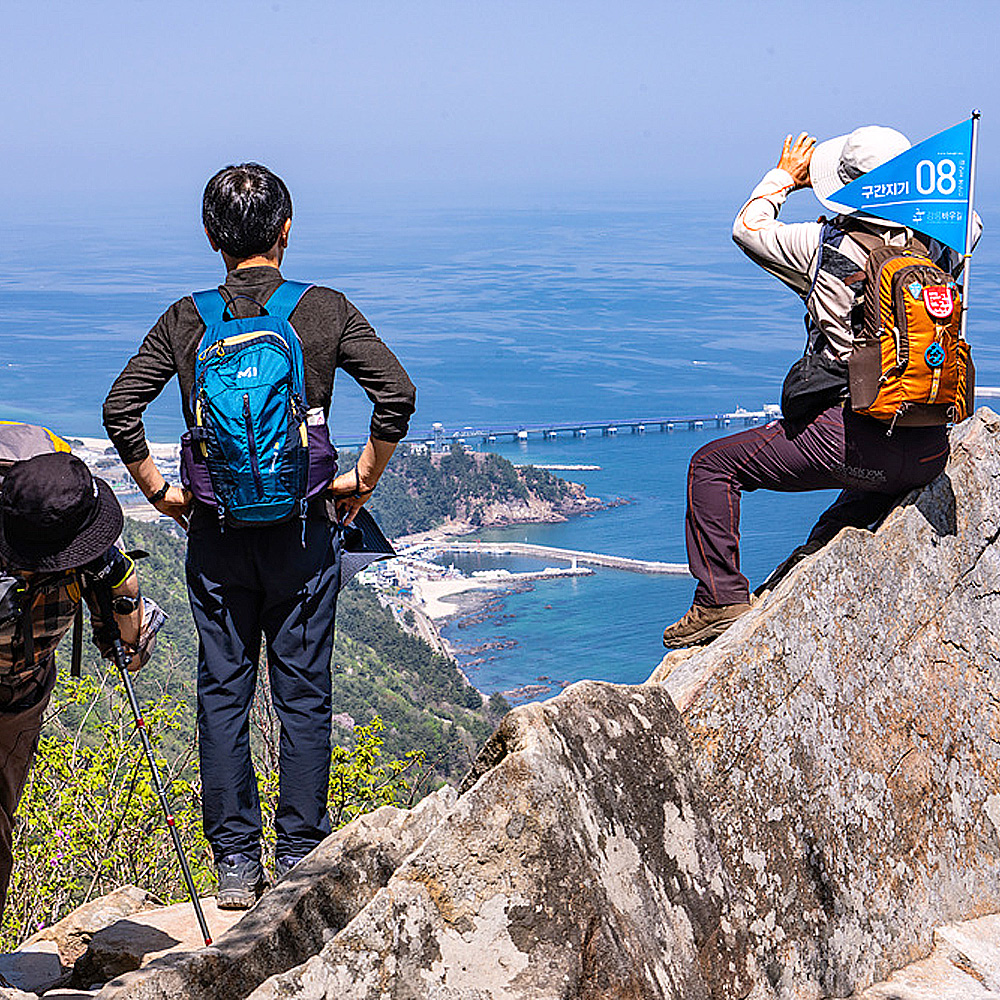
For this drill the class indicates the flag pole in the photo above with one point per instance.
(967, 256)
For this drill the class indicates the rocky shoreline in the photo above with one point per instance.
(499, 515)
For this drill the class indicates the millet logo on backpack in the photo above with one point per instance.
(250, 372)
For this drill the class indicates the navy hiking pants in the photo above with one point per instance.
(837, 448)
(245, 582)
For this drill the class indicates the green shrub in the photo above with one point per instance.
(90, 819)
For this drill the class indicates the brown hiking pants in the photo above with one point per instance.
(837, 448)
(18, 739)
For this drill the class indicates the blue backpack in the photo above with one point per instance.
(252, 452)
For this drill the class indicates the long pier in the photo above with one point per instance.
(567, 555)
(440, 435)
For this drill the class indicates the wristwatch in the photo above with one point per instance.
(125, 605)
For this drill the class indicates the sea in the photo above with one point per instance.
(606, 310)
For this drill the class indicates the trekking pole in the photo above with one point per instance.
(111, 635)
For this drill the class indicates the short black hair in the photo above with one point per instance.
(244, 208)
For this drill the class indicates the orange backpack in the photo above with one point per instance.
(910, 364)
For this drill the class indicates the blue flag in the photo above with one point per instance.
(925, 188)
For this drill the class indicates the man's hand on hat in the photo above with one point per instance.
(795, 158)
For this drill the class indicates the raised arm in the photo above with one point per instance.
(786, 251)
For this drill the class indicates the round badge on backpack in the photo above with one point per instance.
(935, 355)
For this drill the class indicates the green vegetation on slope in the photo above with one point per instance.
(423, 700)
(378, 668)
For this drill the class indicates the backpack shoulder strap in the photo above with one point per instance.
(827, 230)
(285, 298)
(210, 305)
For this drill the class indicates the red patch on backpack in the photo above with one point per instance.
(939, 301)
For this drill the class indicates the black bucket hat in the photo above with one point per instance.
(55, 515)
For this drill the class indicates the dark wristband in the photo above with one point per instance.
(155, 498)
(358, 491)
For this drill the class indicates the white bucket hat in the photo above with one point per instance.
(837, 162)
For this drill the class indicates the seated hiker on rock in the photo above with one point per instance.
(58, 526)
(821, 442)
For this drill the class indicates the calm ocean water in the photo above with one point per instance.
(500, 317)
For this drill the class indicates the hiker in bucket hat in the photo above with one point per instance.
(837, 162)
(819, 443)
(58, 528)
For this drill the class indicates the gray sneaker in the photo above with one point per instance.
(284, 864)
(701, 624)
(241, 882)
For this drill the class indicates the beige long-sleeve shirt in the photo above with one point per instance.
(791, 252)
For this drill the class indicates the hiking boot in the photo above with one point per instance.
(284, 864)
(241, 882)
(701, 624)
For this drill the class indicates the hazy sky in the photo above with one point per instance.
(112, 103)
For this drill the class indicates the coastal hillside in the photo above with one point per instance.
(466, 490)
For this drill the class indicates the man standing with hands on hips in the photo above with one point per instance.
(245, 578)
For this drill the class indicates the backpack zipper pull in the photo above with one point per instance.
(303, 511)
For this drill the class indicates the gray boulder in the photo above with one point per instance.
(580, 863)
(74, 932)
(964, 965)
(847, 736)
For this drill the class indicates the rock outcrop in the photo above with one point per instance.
(847, 736)
(580, 863)
(74, 933)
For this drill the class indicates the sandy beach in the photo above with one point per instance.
(437, 596)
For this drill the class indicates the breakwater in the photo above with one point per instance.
(572, 556)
